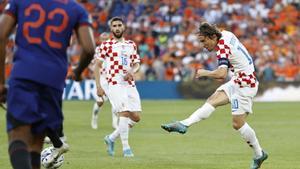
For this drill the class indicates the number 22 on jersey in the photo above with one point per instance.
(49, 28)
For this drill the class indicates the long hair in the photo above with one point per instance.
(209, 30)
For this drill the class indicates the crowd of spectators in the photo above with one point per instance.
(165, 33)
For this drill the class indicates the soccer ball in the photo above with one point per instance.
(45, 155)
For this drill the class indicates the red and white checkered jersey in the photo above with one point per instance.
(232, 53)
(103, 67)
(119, 57)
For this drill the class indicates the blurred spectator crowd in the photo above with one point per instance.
(164, 31)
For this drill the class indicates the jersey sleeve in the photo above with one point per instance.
(11, 8)
(135, 57)
(223, 52)
(100, 52)
(83, 17)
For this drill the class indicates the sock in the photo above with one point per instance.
(115, 119)
(35, 159)
(54, 138)
(200, 114)
(96, 109)
(124, 131)
(115, 134)
(19, 155)
(131, 123)
(60, 131)
(249, 136)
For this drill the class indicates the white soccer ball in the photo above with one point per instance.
(44, 158)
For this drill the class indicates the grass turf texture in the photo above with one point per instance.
(210, 144)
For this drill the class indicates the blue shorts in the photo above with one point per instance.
(35, 104)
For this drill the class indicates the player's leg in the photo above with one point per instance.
(36, 148)
(95, 112)
(116, 97)
(61, 133)
(133, 119)
(54, 138)
(59, 146)
(19, 147)
(124, 132)
(51, 105)
(20, 115)
(249, 135)
(219, 98)
(134, 105)
(241, 106)
(115, 118)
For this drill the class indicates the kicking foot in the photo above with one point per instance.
(258, 161)
(175, 127)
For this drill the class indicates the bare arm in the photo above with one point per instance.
(7, 24)
(86, 39)
(134, 69)
(220, 73)
(97, 67)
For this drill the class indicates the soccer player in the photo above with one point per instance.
(239, 91)
(40, 65)
(122, 61)
(100, 100)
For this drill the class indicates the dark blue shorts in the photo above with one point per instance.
(35, 104)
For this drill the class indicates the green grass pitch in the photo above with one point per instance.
(210, 144)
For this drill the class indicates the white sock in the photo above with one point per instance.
(115, 119)
(115, 134)
(96, 109)
(200, 114)
(249, 136)
(131, 123)
(124, 132)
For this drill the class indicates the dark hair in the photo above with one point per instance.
(209, 30)
(116, 19)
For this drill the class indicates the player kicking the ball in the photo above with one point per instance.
(239, 91)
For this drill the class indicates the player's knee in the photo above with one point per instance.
(236, 125)
(100, 103)
(124, 114)
(135, 117)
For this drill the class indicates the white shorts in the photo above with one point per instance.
(104, 85)
(241, 99)
(124, 98)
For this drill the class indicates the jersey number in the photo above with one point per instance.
(49, 28)
(124, 60)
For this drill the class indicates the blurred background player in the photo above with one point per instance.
(37, 80)
(239, 91)
(122, 61)
(100, 100)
